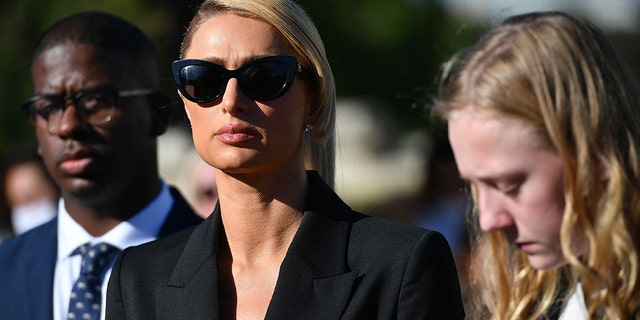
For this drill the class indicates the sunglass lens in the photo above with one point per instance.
(202, 83)
(266, 81)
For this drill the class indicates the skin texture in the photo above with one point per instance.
(106, 172)
(518, 181)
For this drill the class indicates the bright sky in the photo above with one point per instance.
(619, 15)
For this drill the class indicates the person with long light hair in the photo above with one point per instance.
(544, 121)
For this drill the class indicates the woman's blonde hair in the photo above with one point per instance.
(561, 75)
(296, 27)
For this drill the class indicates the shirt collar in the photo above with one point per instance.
(143, 227)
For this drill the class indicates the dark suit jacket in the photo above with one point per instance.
(340, 265)
(27, 264)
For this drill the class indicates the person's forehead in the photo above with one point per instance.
(73, 62)
(230, 36)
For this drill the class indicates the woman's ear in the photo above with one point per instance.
(161, 112)
(313, 111)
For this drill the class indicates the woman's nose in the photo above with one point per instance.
(492, 210)
(234, 101)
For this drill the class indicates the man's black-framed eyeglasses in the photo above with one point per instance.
(95, 106)
(262, 79)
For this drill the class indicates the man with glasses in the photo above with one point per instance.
(97, 112)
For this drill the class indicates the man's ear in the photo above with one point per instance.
(162, 108)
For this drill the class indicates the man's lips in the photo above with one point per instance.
(75, 166)
(235, 133)
(76, 162)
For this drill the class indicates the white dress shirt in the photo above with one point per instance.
(575, 307)
(142, 227)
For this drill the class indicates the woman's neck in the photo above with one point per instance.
(260, 217)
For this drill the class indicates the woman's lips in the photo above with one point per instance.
(525, 246)
(235, 133)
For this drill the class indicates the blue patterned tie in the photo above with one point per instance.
(86, 295)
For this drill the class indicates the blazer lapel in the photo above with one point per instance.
(187, 295)
(315, 281)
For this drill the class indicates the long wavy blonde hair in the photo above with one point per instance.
(561, 75)
(296, 27)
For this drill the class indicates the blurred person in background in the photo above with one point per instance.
(30, 195)
(97, 113)
(440, 204)
(444, 202)
(205, 191)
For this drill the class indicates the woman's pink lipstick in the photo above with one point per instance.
(235, 133)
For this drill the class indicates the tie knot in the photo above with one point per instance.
(96, 257)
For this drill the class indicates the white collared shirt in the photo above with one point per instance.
(575, 307)
(142, 227)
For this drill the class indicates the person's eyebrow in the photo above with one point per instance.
(244, 61)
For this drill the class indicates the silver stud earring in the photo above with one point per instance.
(308, 127)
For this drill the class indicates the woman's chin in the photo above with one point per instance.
(546, 262)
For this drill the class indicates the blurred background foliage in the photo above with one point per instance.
(384, 51)
(387, 50)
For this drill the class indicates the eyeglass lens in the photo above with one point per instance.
(264, 79)
(94, 107)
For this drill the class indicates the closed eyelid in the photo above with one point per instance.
(508, 188)
(506, 184)
(510, 185)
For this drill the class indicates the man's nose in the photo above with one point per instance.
(67, 122)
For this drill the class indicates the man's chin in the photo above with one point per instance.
(82, 188)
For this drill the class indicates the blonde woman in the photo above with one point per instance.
(544, 121)
(259, 93)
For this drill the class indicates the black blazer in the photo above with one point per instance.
(340, 265)
(28, 261)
